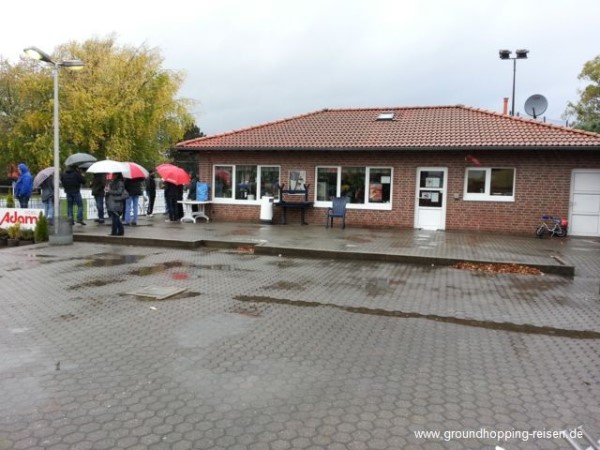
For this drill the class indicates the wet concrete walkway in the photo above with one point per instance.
(550, 255)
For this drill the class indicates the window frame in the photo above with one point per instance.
(232, 199)
(367, 205)
(487, 196)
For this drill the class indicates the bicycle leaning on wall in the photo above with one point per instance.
(554, 226)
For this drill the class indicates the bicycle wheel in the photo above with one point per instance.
(561, 232)
(541, 230)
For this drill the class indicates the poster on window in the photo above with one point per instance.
(375, 192)
(431, 182)
(297, 180)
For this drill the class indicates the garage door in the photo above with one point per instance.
(585, 203)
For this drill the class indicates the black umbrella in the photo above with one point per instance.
(77, 159)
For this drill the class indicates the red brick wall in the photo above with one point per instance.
(542, 186)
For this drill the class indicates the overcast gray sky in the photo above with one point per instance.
(252, 61)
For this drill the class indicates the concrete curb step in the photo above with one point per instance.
(557, 267)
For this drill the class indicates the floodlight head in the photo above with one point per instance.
(72, 64)
(504, 54)
(36, 53)
(522, 53)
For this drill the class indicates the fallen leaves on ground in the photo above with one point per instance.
(498, 268)
(246, 249)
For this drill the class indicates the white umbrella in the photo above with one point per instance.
(107, 166)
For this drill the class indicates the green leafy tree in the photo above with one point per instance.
(586, 112)
(123, 105)
(193, 132)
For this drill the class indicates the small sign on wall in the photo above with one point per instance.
(297, 180)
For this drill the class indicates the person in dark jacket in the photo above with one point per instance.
(72, 180)
(48, 198)
(178, 205)
(115, 200)
(150, 192)
(23, 186)
(171, 201)
(98, 187)
(192, 192)
(134, 188)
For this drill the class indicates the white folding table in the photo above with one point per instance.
(191, 216)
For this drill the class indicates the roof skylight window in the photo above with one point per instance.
(386, 116)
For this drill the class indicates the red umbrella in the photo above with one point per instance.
(135, 171)
(173, 174)
(224, 175)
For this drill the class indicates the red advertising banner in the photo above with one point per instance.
(26, 217)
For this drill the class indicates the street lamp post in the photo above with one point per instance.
(73, 64)
(520, 54)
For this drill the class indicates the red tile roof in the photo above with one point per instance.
(435, 127)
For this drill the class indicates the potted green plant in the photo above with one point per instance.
(41, 231)
(26, 236)
(3, 237)
(13, 235)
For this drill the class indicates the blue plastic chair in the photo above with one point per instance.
(338, 209)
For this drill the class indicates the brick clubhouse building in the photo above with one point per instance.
(436, 168)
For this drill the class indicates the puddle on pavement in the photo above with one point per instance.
(251, 310)
(221, 267)
(358, 239)
(111, 259)
(162, 267)
(107, 260)
(186, 294)
(68, 316)
(547, 283)
(378, 286)
(180, 296)
(157, 268)
(500, 326)
(95, 283)
(284, 263)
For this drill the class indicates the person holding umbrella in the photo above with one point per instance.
(98, 186)
(174, 178)
(170, 190)
(115, 198)
(134, 188)
(47, 187)
(72, 180)
(150, 192)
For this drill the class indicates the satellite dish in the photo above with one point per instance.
(536, 105)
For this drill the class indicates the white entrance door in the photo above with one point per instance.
(430, 209)
(584, 210)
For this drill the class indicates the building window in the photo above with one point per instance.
(353, 184)
(327, 181)
(269, 181)
(361, 185)
(245, 182)
(490, 184)
(222, 181)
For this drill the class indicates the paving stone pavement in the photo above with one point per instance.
(268, 352)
